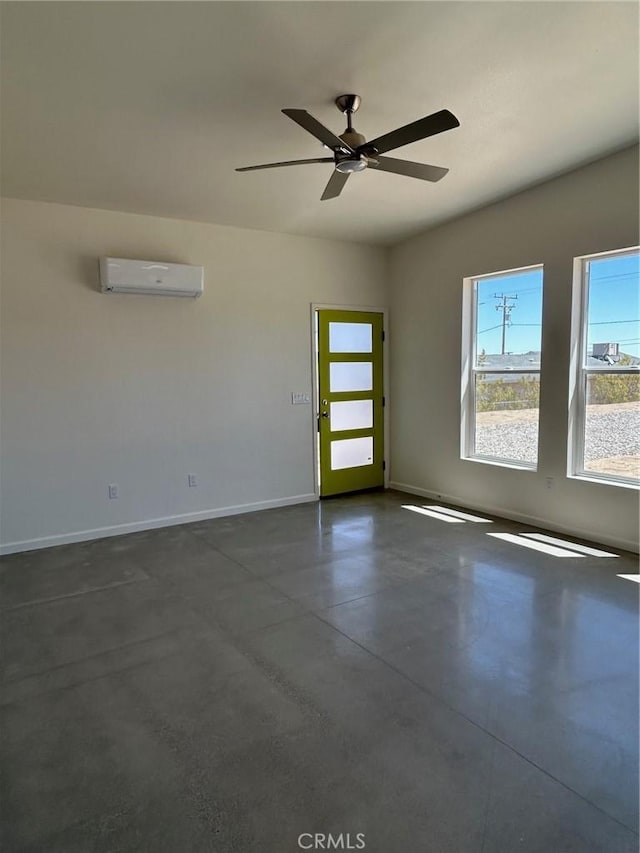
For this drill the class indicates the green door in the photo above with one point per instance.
(350, 401)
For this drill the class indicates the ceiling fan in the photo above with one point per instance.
(352, 153)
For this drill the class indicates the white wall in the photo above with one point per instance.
(140, 391)
(593, 209)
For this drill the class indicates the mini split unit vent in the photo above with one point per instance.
(150, 278)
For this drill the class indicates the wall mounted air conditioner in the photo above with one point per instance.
(150, 278)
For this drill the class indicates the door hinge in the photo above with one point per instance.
(384, 465)
(383, 334)
(384, 402)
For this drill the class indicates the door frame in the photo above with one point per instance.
(315, 400)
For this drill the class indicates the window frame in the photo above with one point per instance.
(470, 370)
(580, 372)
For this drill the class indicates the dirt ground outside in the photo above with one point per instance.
(623, 466)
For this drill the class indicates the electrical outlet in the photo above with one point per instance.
(113, 491)
(550, 482)
(192, 480)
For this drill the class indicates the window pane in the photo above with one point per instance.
(612, 425)
(349, 337)
(613, 321)
(353, 414)
(508, 321)
(506, 420)
(350, 376)
(351, 453)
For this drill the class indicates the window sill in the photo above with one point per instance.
(500, 463)
(605, 481)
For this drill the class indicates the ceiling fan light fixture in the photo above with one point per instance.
(351, 164)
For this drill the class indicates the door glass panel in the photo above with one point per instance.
(353, 414)
(350, 376)
(351, 453)
(350, 337)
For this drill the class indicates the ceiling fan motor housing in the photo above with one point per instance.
(356, 161)
(353, 138)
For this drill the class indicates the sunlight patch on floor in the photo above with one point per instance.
(464, 516)
(573, 546)
(433, 514)
(536, 546)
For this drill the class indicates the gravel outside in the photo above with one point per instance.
(612, 434)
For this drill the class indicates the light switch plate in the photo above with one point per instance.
(300, 398)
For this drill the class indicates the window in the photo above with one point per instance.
(604, 440)
(502, 331)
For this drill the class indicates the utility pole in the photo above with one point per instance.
(506, 308)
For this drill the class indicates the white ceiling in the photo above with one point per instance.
(148, 107)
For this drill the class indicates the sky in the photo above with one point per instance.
(614, 307)
(614, 295)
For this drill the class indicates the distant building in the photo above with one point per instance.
(606, 353)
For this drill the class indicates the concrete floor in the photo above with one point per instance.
(348, 667)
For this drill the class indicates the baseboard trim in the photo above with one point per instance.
(150, 524)
(534, 521)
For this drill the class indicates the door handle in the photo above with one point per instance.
(324, 414)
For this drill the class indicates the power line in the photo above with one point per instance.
(528, 290)
(599, 323)
(616, 275)
(490, 329)
(539, 325)
(611, 322)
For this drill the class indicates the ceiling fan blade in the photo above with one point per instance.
(285, 163)
(421, 129)
(408, 168)
(313, 126)
(335, 185)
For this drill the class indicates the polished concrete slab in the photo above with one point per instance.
(347, 667)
